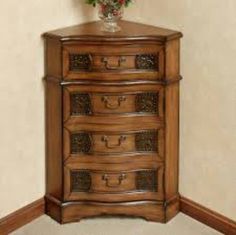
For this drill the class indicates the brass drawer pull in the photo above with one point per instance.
(119, 180)
(109, 105)
(106, 140)
(121, 60)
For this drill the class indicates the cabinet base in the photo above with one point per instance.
(75, 211)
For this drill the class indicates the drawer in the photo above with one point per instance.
(113, 183)
(138, 100)
(81, 143)
(113, 62)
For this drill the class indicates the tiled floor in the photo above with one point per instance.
(180, 225)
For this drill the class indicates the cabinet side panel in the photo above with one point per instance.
(172, 141)
(54, 139)
(172, 59)
(53, 58)
(172, 120)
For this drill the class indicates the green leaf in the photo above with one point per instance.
(91, 2)
(115, 2)
(127, 3)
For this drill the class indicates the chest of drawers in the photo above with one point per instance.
(112, 117)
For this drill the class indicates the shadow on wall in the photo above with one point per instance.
(85, 12)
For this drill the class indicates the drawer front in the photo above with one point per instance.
(101, 100)
(113, 185)
(109, 143)
(112, 62)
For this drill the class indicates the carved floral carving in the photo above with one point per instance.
(147, 141)
(80, 181)
(146, 180)
(147, 102)
(80, 104)
(79, 62)
(80, 143)
(147, 61)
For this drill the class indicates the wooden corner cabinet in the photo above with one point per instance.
(112, 122)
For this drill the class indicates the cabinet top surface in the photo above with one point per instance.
(129, 31)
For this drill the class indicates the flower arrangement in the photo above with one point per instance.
(110, 11)
(110, 6)
(115, 3)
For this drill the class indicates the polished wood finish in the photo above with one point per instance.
(107, 62)
(119, 142)
(54, 135)
(131, 31)
(112, 112)
(21, 217)
(53, 65)
(113, 100)
(108, 186)
(207, 216)
(75, 211)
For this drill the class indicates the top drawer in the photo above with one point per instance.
(117, 62)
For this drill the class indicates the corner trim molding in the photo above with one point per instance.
(207, 216)
(22, 217)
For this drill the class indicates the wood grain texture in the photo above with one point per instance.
(207, 216)
(172, 208)
(118, 84)
(89, 142)
(131, 31)
(124, 190)
(112, 101)
(75, 211)
(122, 124)
(21, 217)
(172, 140)
(53, 61)
(149, 211)
(54, 137)
(172, 61)
(114, 159)
(106, 62)
(116, 105)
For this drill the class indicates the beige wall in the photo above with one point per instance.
(208, 99)
(22, 93)
(208, 112)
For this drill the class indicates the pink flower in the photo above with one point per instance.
(103, 7)
(122, 2)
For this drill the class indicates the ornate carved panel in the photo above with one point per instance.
(147, 141)
(147, 102)
(79, 62)
(80, 181)
(147, 61)
(80, 143)
(80, 104)
(146, 180)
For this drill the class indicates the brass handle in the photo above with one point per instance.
(119, 180)
(109, 105)
(121, 60)
(106, 140)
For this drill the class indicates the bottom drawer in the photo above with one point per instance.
(111, 184)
